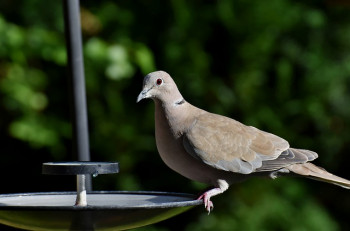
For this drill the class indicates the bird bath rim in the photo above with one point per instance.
(188, 200)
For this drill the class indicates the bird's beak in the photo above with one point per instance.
(143, 95)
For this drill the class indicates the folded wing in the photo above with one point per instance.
(229, 145)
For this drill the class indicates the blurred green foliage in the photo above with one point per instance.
(281, 65)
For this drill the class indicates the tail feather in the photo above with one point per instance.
(314, 172)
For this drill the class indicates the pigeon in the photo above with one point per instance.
(217, 150)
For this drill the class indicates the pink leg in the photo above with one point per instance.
(208, 204)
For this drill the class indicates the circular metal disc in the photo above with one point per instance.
(105, 210)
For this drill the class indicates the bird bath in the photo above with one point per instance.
(96, 210)
(107, 210)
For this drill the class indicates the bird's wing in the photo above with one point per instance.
(229, 145)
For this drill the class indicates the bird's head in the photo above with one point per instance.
(159, 85)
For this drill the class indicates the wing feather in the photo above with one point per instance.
(229, 145)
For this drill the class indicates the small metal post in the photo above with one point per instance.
(78, 94)
(81, 191)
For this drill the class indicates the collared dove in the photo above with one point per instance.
(217, 150)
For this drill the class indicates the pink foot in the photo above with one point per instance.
(223, 185)
(208, 204)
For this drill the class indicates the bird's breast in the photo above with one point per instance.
(168, 142)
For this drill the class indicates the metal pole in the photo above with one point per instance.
(78, 94)
(81, 191)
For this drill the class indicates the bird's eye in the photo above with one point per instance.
(159, 81)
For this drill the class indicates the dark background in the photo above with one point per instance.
(280, 65)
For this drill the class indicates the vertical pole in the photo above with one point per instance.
(78, 94)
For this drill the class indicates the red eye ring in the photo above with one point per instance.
(159, 81)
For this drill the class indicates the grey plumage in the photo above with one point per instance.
(217, 150)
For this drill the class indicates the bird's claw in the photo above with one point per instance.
(208, 204)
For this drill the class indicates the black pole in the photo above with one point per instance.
(78, 94)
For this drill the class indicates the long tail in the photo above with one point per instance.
(314, 172)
